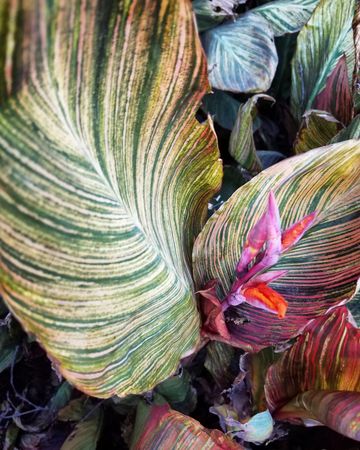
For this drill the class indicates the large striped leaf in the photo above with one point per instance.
(231, 49)
(319, 377)
(105, 177)
(159, 427)
(286, 16)
(320, 45)
(322, 267)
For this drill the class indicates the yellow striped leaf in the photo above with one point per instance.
(104, 182)
(316, 130)
(321, 43)
(322, 268)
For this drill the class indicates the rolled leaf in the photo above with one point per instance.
(230, 50)
(319, 376)
(159, 427)
(242, 145)
(321, 43)
(286, 16)
(322, 268)
(104, 182)
(316, 130)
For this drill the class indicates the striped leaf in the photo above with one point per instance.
(316, 130)
(352, 131)
(286, 16)
(160, 427)
(322, 268)
(104, 182)
(242, 145)
(321, 43)
(210, 13)
(230, 50)
(336, 97)
(319, 377)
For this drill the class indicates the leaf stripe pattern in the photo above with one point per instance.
(105, 180)
(319, 375)
(322, 267)
(321, 43)
(286, 16)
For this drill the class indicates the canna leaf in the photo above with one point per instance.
(104, 182)
(322, 268)
(352, 131)
(336, 97)
(230, 50)
(210, 13)
(222, 107)
(318, 378)
(316, 130)
(326, 38)
(161, 427)
(242, 146)
(86, 433)
(286, 16)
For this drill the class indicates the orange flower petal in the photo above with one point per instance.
(263, 297)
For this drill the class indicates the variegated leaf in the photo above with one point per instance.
(160, 427)
(321, 43)
(322, 268)
(242, 145)
(105, 179)
(318, 378)
(230, 50)
(316, 130)
(286, 16)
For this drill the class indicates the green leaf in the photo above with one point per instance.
(159, 427)
(316, 130)
(230, 50)
(318, 378)
(179, 392)
(286, 16)
(352, 131)
(86, 433)
(321, 43)
(208, 15)
(222, 107)
(322, 268)
(242, 145)
(105, 179)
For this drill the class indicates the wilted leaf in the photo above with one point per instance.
(230, 50)
(319, 377)
(86, 433)
(320, 45)
(160, 427)
(105, 179)
(286, 16)
(316, 130)
(322, 268)
(242, 145)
